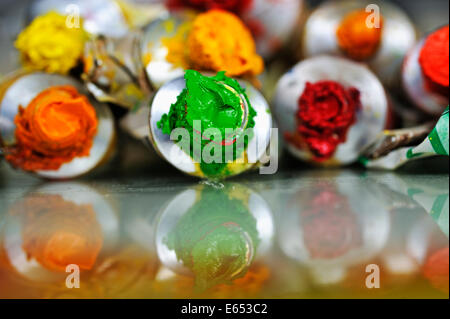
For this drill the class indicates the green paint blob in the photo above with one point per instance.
(213, 240)
(216, 103)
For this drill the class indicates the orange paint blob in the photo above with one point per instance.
(434, 57)
(219, 41)
(58, 125)
(358, 40)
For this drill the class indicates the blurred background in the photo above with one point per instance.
(426, 14)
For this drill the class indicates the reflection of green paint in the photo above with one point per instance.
(215, 102)
(439, 212)
(214, 238)
(413, 191)
(439, 209)
(438, 205)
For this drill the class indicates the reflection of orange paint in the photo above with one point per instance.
(436, 270)
(251, 284)
(356, 38)
(58, 125)
(58, 233)
(219, 40)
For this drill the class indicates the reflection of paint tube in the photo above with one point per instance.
(413, 232)
(215, 246)
(392, 148)
(425, 72)
(381, 38)
(252, 143)
(62, 144)
(58, 233)
(37, 220)
(329, 109)
(432, 195)
(331, 227)
(48, 229)
(405, 248)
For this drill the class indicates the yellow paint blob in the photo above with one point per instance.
(49, 45)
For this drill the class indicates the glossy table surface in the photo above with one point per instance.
(136, 229)
(313, 232)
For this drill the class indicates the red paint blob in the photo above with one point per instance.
(236, 6)
(326, 112)
(434, 57)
